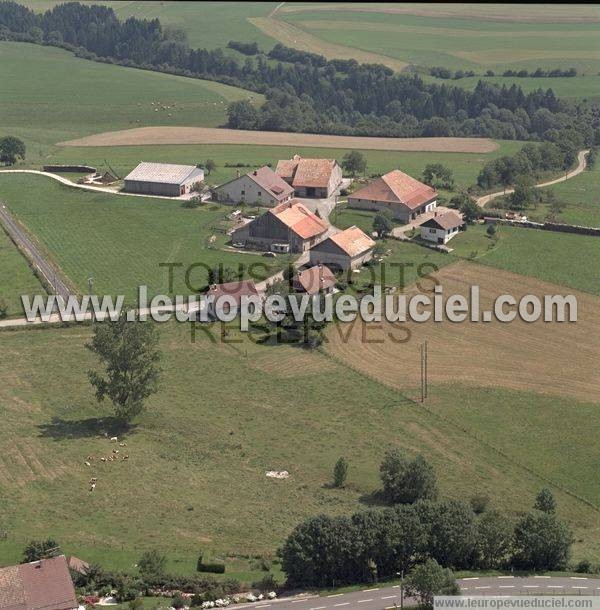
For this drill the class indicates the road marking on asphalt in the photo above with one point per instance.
(363, 601)
(505, 576)
(578, 577)
(472, 578)
(396, 587)
(506, 586)
(298, 601)
(343, 604)
(367, 590)
(531, 586)
(541, 576)
(388, 596)
(578, 587)
(263, 606)
(335, 595)
(319, 608)
(486, 587)
(554, 586)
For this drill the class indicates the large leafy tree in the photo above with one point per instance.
(382, 224)
(354, 163)
(542, 542)
(40, 549)
(129, 354)
(406, 481)
(429, 579)
(545, 501)
(494, 544)
(11, 149)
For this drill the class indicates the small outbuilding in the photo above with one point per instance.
(164, 179)
(260, 187)
(442, 227)
(315, 279)
(398, 193)
(348, 249)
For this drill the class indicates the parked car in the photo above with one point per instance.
(270, 254)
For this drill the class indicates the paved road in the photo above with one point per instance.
(581, 164)
(53, 276)
(380, 598)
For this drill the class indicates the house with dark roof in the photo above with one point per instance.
(348, 249)
(164, 179)
(290, 224)
(311, 177)
(441, 228)
(313, 280)
(234, 291)
(398, 193)
(259, 187)
(39, 585)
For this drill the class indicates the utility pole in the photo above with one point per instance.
(424, 384)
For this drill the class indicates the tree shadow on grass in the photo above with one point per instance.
(59, 428)
(375, 498)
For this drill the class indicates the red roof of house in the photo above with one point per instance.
(267, 179)
(306, 172)
(445, 221)
(237, 289)
(298, 218)
(314, 279)
(40, 585)
(353, 241)
(397, 187)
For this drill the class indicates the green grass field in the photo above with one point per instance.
(16, 277)
(50, 95)
(195, 479)
(120, 240)
(542, 254)
(208, 25)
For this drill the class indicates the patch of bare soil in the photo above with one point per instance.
(209, 135)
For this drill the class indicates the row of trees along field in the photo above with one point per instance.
(305, 92)
(416, 527)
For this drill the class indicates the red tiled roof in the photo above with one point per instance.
(266, 178)
(236, 289)
(300, 219)
(306, 172)
(446, 221)
(353, 241)
(314, 279)
(397, 187)
(40, 585)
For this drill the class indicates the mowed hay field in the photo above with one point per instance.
(204, 135)
(516, 355)
(227, 413)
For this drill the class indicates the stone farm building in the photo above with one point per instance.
(290, 223)
(311, 177)
(234, 291)
(398, 193)
(163, 179)
(441, 228)
(261, 187)
(39, 585)
(315, 279)
(348, 249)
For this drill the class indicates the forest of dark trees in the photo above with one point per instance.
(305, 92)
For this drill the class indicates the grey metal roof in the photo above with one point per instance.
(168, 173)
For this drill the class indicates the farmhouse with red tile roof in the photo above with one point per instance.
(39, 585)
(261, 187)
(442, 227)
(311, 177)
(315, 279)
(397, 192)
(290, 223)
(348, 249)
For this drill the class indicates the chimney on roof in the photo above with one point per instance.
(255, 173)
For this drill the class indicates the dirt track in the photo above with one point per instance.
(516, 355)
(143, 136)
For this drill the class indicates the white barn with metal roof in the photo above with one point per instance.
(164, 179)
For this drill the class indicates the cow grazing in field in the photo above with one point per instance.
(125, 457)
(93, 486)
(87, 463)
